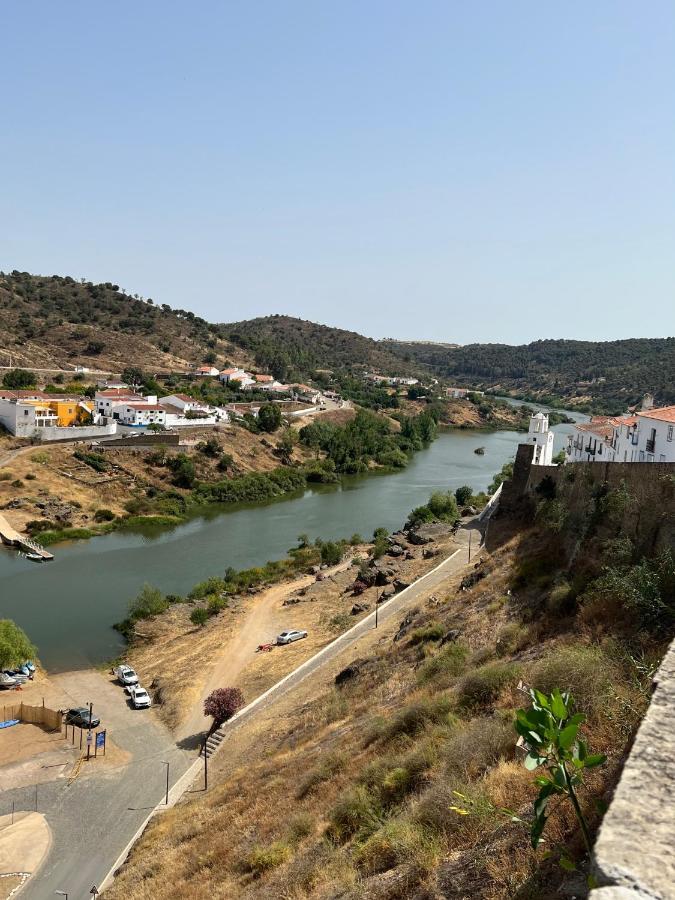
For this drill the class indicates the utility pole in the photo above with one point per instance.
(206, 766)
(470, 533)
(377, 605)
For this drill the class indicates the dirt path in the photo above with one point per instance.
(262, 621)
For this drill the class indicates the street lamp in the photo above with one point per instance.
(62, 894)
(166, 798)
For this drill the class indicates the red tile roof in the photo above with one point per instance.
(155, 407)
(665, 414)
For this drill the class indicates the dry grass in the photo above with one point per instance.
(351, 793)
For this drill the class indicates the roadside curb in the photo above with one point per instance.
(188, 777)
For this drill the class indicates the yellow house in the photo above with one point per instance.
(63, 412)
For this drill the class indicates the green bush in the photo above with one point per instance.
(444, 666)
(199, 616)
(441, 507)
(17, 483)
(213, 585)
(104, 515)
(96, 461)
(30, 476)
(432, 632)
(398, 843)
(149, 602)
(463, 495)
(262, 859)
(214, 605)
(356, 813)
(470, 751)
(417, 716)
(585, 671)
(482, 686)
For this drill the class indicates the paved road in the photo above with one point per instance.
(94, 819)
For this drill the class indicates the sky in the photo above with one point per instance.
(449, 171)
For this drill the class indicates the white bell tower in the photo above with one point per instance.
(539, 435)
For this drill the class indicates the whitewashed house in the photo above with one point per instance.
(183, 411)
(140, 415)
(655, 441)
(210, 371)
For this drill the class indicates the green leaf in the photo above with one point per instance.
(532, 761)
(567, 864)
(568, 736)
(541, 699)
(558, 707)
(535, 831)
(581, 750)
(596, 759)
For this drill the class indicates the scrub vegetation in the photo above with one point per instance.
(405, 780)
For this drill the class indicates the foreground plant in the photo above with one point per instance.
(550, 733)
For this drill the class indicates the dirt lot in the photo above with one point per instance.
(182, 663)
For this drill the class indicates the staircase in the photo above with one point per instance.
(212, 743)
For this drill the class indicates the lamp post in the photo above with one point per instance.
(62, 894)
(166, 797)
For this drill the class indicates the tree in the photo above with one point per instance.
(464, 495)
(269, 417)
(222, 704)
(16, 379)
(209, 358)
(183, 470)
(286, 444)
(15, 647)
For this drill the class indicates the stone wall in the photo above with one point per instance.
(635, 847)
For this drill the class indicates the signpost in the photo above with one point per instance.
(90, 739)
(94, 890)
(100, 742)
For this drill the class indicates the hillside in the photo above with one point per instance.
(402, 778)
(610, 375)
(286, 346)
(57, 322)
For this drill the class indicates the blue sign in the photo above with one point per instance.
(100, 738)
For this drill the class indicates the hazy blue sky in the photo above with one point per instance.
(466, 171)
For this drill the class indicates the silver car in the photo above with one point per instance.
(287, 637)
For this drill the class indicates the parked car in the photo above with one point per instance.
(17, 675)
(7, 681)
(287, 637)
(126, 675)
(139, 696)
(79, 716)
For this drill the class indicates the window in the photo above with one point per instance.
(670, 433)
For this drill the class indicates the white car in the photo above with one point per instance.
(287, 637)
(139, 696)
(126, 675)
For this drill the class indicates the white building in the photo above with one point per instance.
(210, 371)
(655, 442)
(539, 435)
(106, 400)
(457, 393)
(140, 415)
(646, 436)
(184, 411)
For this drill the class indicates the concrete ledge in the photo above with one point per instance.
(635, 849)
(619, 893)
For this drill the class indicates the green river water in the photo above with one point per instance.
(69, 605)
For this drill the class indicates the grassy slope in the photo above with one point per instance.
(350, 795)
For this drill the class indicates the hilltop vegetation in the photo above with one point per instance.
(54, 321)
(289, 347)
(607, 376)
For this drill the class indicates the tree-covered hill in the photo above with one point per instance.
(54, 321)
(285, 345)
(611, 374)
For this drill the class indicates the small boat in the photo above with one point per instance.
(36, 557)
(480, 451)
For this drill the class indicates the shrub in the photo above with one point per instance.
(16, 379)
(5, 476)
(414, 718)
(210, 447)
(30, 476)
(213, 585)
(269, 417)
(463, 495)
(432, 632)
(329, 766)
(96, 461)
(300, 827)
(445, 666)
(398, 843)
(261, 859)
(183, 469)
(355, 539)
(104, 515)
(584, 671)
(149, 602)
(199, 616)
(331, 552)
(215, 604)
(15, 647)
(512, 637)
(355, 813)
(482, 686)
(17, 483)
(472, 750)
(442, 506)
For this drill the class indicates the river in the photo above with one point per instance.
(67, 606)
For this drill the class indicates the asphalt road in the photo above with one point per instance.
(93, 820)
